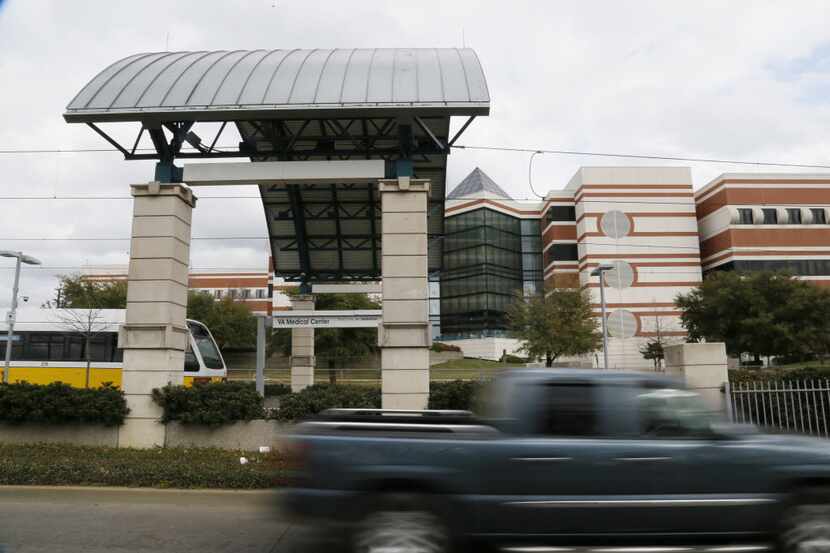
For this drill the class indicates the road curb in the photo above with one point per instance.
(122, 489)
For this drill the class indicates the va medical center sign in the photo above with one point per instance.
(365, 318)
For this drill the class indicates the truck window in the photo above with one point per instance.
(669, 413)
(569, 410)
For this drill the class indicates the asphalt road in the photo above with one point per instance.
(116, 520)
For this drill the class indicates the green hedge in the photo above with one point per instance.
(59, 403)
(441, 346)
(773, 374)
(51, 464)
(211, 403)
(457, 394)
(277, 390)
(320, 397)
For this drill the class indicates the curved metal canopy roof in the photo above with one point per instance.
(222, 82)
(296, 105)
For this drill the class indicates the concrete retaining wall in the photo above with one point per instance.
(241, 435)
(246, 436)
(77, 434)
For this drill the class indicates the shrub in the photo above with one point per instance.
(441, 346)
(59, 403)
(277, 390)
(61, 464)
(772, 374)
(514, 359)
(211, 403)
(457, 394)
(317, 398)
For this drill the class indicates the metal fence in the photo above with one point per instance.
(801, 406)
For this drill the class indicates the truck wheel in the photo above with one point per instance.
(806, 525)
(401, 523)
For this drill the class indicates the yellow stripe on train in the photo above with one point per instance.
(76, 376)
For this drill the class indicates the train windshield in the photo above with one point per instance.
(207, 347)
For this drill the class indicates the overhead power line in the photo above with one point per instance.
(643, 156)
(623, 155)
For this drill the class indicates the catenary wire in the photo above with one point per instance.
(642, 156)
(625, 155)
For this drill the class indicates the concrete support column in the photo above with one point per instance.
(404, 334)
(704, 369)
(302, 347)
(155, 334)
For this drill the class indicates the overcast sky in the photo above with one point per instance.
(735, 80)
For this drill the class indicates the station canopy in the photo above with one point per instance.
(296, 105)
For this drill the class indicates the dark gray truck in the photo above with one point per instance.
(561, 459)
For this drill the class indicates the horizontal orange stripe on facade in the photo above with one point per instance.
(640, 255)
(634, 195)
(635, 234)
(492, 203)
(720, 184)
(762, 196)
(644, 214)
(642, 314)
(630, 186)
(636, 264)
(666, 284)
(794, 237)
(559, 232)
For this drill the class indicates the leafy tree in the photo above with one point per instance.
(653, 350)
(558, 323)
(341, 344)
(760, 313)
(230, 322)
(77, 292)
(336, 344)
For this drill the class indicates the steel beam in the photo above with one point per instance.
(283, 172)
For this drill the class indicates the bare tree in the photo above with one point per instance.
(89, 324)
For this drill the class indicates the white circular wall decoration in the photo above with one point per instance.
(615, 224)
(622, 324)
(622, 276)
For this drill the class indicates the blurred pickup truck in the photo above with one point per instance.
(561, 459)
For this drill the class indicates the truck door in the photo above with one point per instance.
(695, 482)
(552, 478)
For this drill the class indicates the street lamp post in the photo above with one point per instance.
(21, 258)
(600, 272)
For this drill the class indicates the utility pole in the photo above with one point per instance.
(600, 272)
(11, 317)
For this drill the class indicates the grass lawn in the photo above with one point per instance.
(455, 369)
(53, 464)
(466, 369)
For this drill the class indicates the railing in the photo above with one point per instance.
(790, 406)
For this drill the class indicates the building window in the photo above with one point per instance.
(246, 293)
(260, 293)
(770, 216)
(559, 213)
(561, 252)
(745, 216)
(819, 216)
(232, 293)
(794, 216)
(217, 294)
